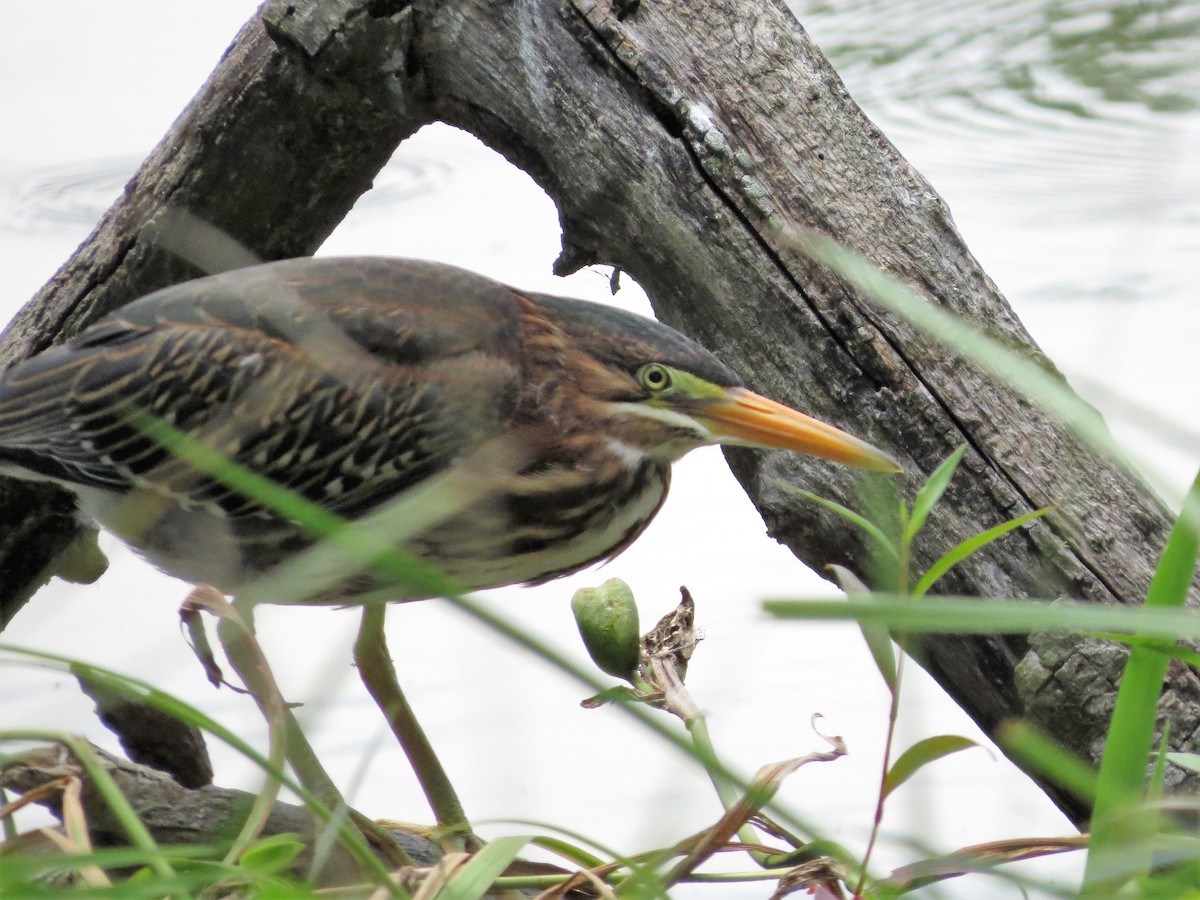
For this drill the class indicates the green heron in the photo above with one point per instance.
(350, 381)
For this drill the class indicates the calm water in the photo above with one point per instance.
(1065, 137)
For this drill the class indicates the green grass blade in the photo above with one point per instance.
(142, 690)
(124, 814)
(569, 851)
(931, 492)
(476, 878)
(1038, 752)
(1158, 775)
(846, 513)
(957, 554)
(1177, 567)
(1121, 786)
(971, 615)
(23, 867)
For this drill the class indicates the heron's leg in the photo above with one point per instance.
(379, 675)
(241, 647)
(312, 775)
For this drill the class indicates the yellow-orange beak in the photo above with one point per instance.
(743, 417)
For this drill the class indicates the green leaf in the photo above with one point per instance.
(956, 555)
(1189, 761)
(921, 754)
(878, 638)
(931, 492)
(1113, 857)
(1175, 570)
(474, 879)
(850, 515)
(272, 854)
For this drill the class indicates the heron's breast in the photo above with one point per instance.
(559, 523)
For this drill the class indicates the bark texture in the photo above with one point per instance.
(174, 814)
(675, 138)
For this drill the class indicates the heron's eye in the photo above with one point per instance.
(654, 377)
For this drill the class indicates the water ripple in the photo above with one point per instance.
(66, 196)
(77, 194)
(406, 177)
(1086, 106)
(1093, 51)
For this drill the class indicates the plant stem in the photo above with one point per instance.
(893, 715)
(679, 701)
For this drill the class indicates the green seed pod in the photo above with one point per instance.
(607, 617)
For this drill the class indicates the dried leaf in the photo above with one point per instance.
(93, 875)
(978, 858)
(674, 637)
(821, 878)
(765, 784)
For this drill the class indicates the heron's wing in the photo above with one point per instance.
(345, 381)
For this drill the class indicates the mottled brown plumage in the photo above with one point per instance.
(351, 381)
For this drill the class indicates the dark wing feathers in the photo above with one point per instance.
(409, 312)
(346, 381)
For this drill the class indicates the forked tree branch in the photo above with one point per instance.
(675, 138)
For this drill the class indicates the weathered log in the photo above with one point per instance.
(675, 138)
(173, 814)
(152, 737)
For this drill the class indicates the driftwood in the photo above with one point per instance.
(674, 137)
(174, 814)
(152, 737)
